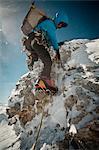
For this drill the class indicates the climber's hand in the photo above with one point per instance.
(57, 57)
(60, 43)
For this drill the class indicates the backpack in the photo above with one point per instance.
(31, 20)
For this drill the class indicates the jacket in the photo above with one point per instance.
(49, 27)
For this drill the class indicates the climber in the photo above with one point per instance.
(41, 38)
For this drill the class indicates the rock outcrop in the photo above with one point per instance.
(75, 104)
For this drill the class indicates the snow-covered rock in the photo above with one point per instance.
(8, 138)
(93, 50)
(72, 108)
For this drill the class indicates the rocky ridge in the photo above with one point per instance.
(69, 116)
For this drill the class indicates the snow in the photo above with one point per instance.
(45, 147)
(93, 50)
(7, 133)
(78, 57)
(3, 108)
(49, 147)
(62, 110)
(25, 75)
(7, 136)
(57, 111)
(72, 130)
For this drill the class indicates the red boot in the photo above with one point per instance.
(46, 84)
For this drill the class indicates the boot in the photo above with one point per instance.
(46, 85)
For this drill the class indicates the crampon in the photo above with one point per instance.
(42, 86)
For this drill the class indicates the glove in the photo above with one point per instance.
(61, 43)
(57, 56)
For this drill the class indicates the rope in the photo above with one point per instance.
(38, 133)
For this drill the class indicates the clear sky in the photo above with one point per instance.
(83, 23)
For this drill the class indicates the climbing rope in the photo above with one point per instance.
(38, 132)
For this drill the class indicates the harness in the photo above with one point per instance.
(40, 38)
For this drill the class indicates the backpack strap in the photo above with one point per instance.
(39, 11)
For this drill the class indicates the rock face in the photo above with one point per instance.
(86, 138)
(76, 103)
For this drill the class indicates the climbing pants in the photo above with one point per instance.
(44, 55)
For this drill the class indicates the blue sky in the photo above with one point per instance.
(83, 23)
